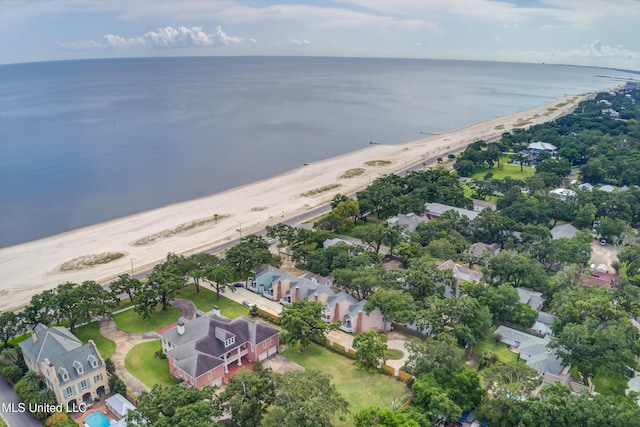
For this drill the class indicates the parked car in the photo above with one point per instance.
(238, 285)
(248, 304)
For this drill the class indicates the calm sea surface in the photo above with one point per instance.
(87, 141)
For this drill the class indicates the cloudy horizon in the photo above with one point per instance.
(588, 32)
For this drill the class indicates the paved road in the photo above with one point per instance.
(14, 418)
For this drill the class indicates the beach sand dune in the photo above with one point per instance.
(32, 267)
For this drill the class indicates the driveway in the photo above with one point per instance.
(606, 254)
(9, 408)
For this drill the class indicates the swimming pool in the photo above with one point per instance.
(97, 419)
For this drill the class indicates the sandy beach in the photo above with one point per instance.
(147, 237)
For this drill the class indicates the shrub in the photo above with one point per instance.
(12, 373)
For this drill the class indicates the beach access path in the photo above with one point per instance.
(144, 239)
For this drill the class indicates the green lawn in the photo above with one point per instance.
(610, 385)
(206, 299)
(130, 321)
(2, 423)
(604, 383)
(91, 331)
(360, 388)
(17, 340)
(499, 349)
(142, 363)
(505, 170)
(393, 354)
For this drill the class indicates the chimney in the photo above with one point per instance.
(180, 324)
(216, 311)
(34, 337)
(296, 294)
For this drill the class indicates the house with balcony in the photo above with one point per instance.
(75, 372)
(266, 278)
(350, 313)
(201, 351)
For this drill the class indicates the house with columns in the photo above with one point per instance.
(201, 351)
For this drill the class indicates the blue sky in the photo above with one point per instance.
(583, 32)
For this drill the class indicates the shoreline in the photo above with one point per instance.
(32, 267)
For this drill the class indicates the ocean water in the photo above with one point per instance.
(83, 142)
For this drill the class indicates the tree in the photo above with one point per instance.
(9, 326)
(371, 235)
(348, 212)
(174, 406)
(251, 252)
(591, 346)
(514, 380)
(302, 323)
(79, 303)
(305, 399)
(383, 417)
(116, 385)
(9, 356)
(161, 287)
(41, 309)
(196, 264)
(430, 354)
(370, 347)
(516, 268)
(394, 304)
(220, 277)
(611, 229)
(124, 283)
(248, 395)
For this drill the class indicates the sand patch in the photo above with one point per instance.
(88, 261)
(182, 228)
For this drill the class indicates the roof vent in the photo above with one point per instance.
(180, 324)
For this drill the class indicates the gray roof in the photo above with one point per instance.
(80, 356)
(411, 220)
(439, 209)
(541, 146)
(119, 405)
(201, 347)
(333, 300)
(545, 318)
(534, 299)
(462, 274)
(478, 248)
(50, 342)
(564, 231)
(607, 188)
(541, 358)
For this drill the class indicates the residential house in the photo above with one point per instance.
(611, 112)
(332, 242)
(75, 372)
(201, 351)
(539, 147)
(477, 249)
(561, 231)
(318, 279)
(598, 279)
(409, 220)
(265, 279)
(435, 210)
(607, 188)
(480, 205)
(532, 349)
(543, 323)
(460, 274)
(350, 312)
(564, 194)
(586, 187)
(533, 299)
(565, 379)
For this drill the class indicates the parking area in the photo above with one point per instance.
(600, 254)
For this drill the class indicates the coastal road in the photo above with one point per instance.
(9, 408)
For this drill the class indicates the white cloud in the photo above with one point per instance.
(299, 42)
(599, 50)
(167, 37)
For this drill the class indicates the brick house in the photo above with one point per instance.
(201, 351)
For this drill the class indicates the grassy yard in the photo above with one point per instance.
(360, 388)
(130, 321)
(91, 331)
(206, 299)
(2, 423)
(604, 383)
(393, 354)
(505, 170)
(142, 364)
(499, 349)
